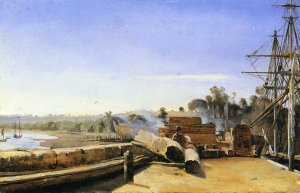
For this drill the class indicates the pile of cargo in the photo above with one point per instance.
(199, 133)
(213, 151)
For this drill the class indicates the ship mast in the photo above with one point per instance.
(291, 116)
(19, 126)
(284, 78)
(274, 50)
(292, 84)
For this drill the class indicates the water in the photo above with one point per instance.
(28, 141)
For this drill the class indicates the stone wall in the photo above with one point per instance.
(32, 160)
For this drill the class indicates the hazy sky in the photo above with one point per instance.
(91, 56)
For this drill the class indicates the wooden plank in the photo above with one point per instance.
(185, 120)
(198, 139)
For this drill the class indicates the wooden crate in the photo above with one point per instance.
(241, 140)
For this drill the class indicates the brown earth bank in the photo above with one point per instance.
(67, 139)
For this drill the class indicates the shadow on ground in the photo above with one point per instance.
(99, 185)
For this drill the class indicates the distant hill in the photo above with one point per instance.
(25, 119)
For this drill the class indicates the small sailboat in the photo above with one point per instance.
(2, 139)
(19, 135)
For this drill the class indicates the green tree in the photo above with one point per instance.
(101, 126)
(219, 98)
(109, 122)
(91, 129)
(233, 97)
(78, 127)
(197, 103)
(233, 110)
(209, 99)
(181, 109)
(136, 118)
(163, 114)
(243, 103)
(260, 91)
(253, 100)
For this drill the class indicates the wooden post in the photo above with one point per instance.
(291, 116)
(128, 166)
(275, 45)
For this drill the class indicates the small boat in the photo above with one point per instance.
(2, 139)
(19, 135)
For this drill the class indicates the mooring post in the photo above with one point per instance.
(291, 162)
(128, 166)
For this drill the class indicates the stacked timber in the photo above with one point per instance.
(185, 120)
(191, 126)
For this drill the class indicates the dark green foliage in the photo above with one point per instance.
(136, 118)
(197, 103)
(77, 127)
(162, 114)
(181, 109)
(209, 100)
(91, 129)
(101, 126)
(233, 110)
(108, 120)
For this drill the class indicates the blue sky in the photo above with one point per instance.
(91, 56)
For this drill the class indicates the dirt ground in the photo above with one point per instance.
(65, 139)
(222, 175)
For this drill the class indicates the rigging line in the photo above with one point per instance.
(296, 36)
(252, 64)
(263, 98)
(285, 40)
(276, 117)
(275, 3)
(267, 112)
(278, 30)
(253, 75)
(268, 109)
(261, 47)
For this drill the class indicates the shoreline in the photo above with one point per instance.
(67, 139)
(64, 139)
